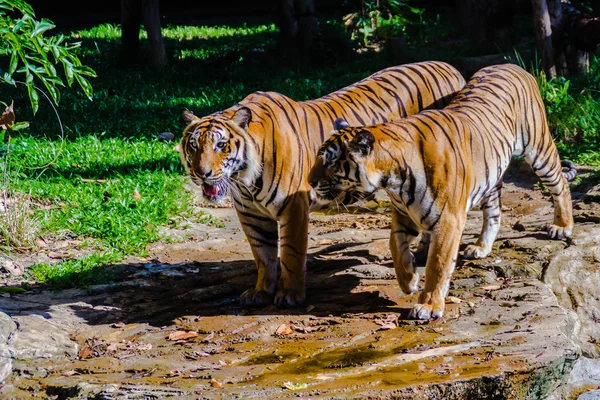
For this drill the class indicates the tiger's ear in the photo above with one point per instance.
(362, 143)
(340, 123)
(187, 116)
(242, 117)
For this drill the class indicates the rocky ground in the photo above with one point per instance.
(521, 324)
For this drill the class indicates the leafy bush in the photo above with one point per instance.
(573, 109)
(379, 19)
(33, 56)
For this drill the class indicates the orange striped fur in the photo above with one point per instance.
(262, 149)
(438, 164)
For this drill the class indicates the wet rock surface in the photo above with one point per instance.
(172, 326)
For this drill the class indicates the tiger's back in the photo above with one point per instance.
(291, 132)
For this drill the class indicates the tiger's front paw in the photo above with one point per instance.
(430, 309)
(473, 252)
(559, 232)
(409, 282)
(290, 297)
(256, 298)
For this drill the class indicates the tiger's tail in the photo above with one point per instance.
(571, 171)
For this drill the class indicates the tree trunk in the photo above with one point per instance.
(288, 26)
(478, 19)
(558, 36)
(543, 35)
(308, 27)
(298, 28)
(130, 30)
(150, 10)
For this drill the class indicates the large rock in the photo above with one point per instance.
(584, 376)
(37, 337)
(592, 395)
(574, 275)
(7, 327)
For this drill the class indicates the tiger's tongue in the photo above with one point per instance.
(210, 190)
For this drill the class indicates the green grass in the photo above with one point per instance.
(87, 182)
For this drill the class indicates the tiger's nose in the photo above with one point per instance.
(313, 181)
(205, 175)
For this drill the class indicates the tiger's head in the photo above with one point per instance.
(216, 151)
(341, 172)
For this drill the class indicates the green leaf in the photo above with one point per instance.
(85, 70)
(55, 80)
(20, 125)
(68, 71)
(12, 289)
(85, 85)
(42, 27)
(14, 60)
(54, 93)
(33, 98)
(8, 79)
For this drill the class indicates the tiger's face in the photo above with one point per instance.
(216, 152)
(339, 174)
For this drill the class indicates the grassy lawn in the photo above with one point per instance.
(110, 185)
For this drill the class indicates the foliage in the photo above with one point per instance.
(378, 19)
(31, 55)
(111, 149)
(573, 109)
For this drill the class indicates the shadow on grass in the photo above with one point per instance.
(159, 293)
(107, 170)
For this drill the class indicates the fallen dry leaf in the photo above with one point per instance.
(453, 299)
(7, 119)
(136, 195)
(491, 287)
(70, 373)
(215, 383)
(84, 353)
(284, 329)
(182, 335)
(325, 242)
(93, 180)
(196, 355)
(295, 386)
(59, 255)
(389, 322)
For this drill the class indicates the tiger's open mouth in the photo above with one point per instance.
(214, 191)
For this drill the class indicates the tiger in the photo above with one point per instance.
(260, 151)
(436, 165)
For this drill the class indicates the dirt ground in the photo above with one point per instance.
(172, 325)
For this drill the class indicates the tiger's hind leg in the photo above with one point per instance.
(548, 168)
(262, 234)
(404, 232)
(492, 212)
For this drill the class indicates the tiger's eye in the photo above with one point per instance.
(221, 145)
